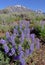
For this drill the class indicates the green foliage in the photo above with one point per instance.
(18, 18)
(43, 33)
(3, 61)
(4, 37)
(25, 44)
(1, 56)
(9, 45)
(17, 40)
(4, 28)
(38, 18)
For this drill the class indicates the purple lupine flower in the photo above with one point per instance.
(22, 36)
(10, 54)
(27, 53)
(13, 36)
(30, 51)
(7, 35)
(12, 50)
(19, 48)
(22, 60)
(25, 31)
(37, 43)
(3, 41)
(32, 37)
(6, 48)
(13, 40)
(16, 57)
(20, 26)
(21, 41)
(24, 22)
(31, 48)
(27, 24)
(15, 31)
(21, 53)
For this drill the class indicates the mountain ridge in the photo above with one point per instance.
(18, 8)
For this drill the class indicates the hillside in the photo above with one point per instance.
(12, 14)
(19, 24)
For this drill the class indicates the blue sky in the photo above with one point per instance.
(32, 4)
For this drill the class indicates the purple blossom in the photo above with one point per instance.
(12, 50)
(31, 48)
(22, 37)
(8, 37)
(13, 40)
(15, 31)
(7, 34)
(37, 43)
(24, 22)
(32, 37)
(6, 48)
(20, 26)
(16, 57)
(2, 41)
(21, 53)
(25, 31)
(19, 48)
(10, 54)
(23, 62)
(27, 53)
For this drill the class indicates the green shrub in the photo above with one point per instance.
(43, 33)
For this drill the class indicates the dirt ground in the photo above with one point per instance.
(38, 57)
(2, 34)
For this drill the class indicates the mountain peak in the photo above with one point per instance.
(20, 6)
(16, 8)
